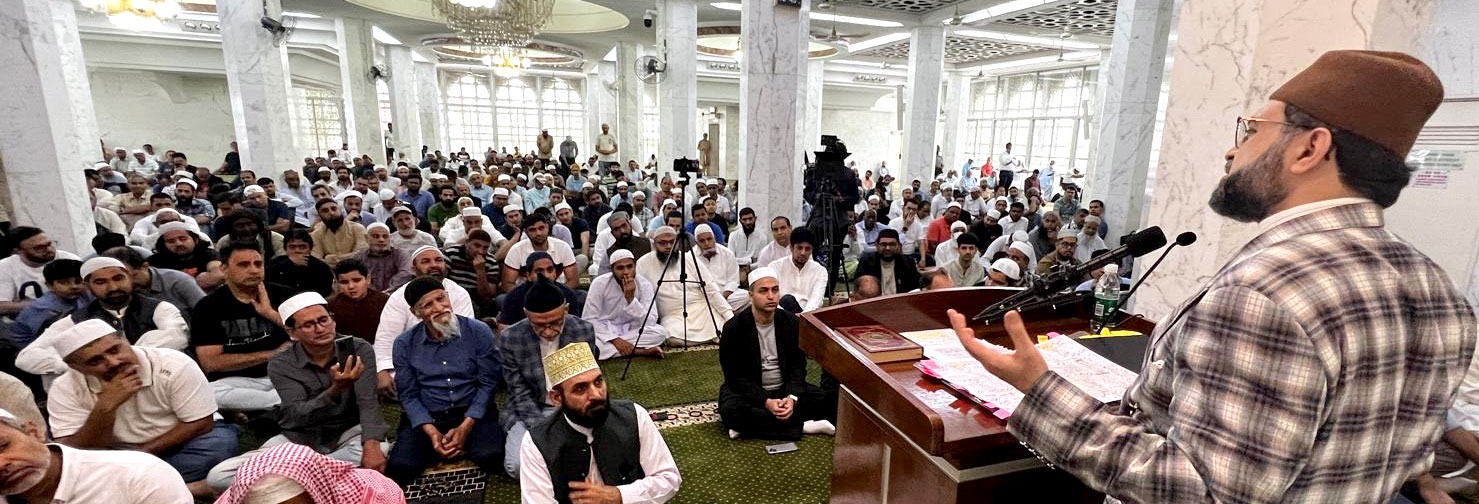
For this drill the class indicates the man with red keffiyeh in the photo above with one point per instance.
(290, 472)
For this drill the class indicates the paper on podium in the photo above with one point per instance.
(949, 362)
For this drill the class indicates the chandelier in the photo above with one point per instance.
(491, 26)
(507, 63)
(135, 14)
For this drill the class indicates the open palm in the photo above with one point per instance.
(1020, 367)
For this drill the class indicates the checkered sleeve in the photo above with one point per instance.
(1249, 391)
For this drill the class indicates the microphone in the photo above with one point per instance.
(1182, 240)
(1136, 245)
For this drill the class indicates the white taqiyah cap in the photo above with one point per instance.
(188, 182)
(100, 165)
(503, 177)
(953, 204)
(992, 213)
(252, 190)
(380, 225)
(563, 206)
(762, 272)
(664, 230)
(173, 226)
(1008, 267)
(512, 208)
(100, 262)
(500, 192)
(471, 211)
(81, 335)
(299, 302)
(702, 230)
(621, 254)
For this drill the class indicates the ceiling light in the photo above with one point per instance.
(823, 16)
(610, 55)
(1072, 56)
(382, 37)
(878, 41)
(304, 15)
(1027, 39)
(1003, 9)
(477, 4)
(135, 14)
(857, 63)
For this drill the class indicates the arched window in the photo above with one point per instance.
(320, 120)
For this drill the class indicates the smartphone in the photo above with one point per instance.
(781, 448)
(343, 348)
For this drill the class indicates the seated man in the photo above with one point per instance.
(893, 271)
(803, 281)
(64, 288)
(536, 238)
(235, 332)
(1004, 273)
(780, 242)
(548, 326)
(705, 309)
(538, 265)
(721, 262)
(474, 267)
(618, 306)
(397, 317)
(468, 219)
(172, 286)
(292, 473)
(1062, 255)
(389, 267)
(37, 471)
(628, 461)
(765, 394)
(143, 321)
(181, 249)
(446, 369)
(153, 400)
(965, 269)
(328, 398)
(356, 307)
(617, 237)
(934, 278)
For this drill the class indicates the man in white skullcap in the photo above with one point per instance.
(628, 461)
(722, 263)
(37, 471)
(765, 394)
(706, 308)
(454, 232)
(1004, 273)
(948, 250)
(1062, 254)
(1089, 239)
(406, 236)
(618, 307)
(155, 400)
(397, 318)
(142, 320)
(660, 218)
(141, 163)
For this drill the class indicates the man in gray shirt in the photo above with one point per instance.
(174, 286)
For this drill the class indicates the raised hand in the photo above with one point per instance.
(1020, 367)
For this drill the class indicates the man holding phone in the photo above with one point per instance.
(328, 395)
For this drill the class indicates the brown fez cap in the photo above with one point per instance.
(1385, 97)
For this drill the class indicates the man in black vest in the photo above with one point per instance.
(765, 394)
(592, 450)
(142, 320)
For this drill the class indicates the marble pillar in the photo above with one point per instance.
(921, 114)
(628, 127)
(952, 135)
(357, 88)
(600, 106)
(1131, 78)
(1238, 54)
(730, 127)
(677, 94)
(429, 105)
(257, 76)
(809, 139)
(405, 136)
(772, 78)
(50, 133)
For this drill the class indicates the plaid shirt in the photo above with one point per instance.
(523, 368)
(1315, 367)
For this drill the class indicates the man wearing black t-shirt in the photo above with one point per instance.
(235, 331)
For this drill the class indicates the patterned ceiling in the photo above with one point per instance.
(958, 50)
(912, 6)
(1083, 17)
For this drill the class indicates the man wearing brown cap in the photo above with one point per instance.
(1317, 364)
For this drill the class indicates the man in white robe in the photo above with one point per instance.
(704, 318)
(803, 279)
(617, 307)
(720, 261)
(780, 244)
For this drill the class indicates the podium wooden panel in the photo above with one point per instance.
(903, 438)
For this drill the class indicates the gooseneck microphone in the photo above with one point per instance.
(1046, 290)
(1182, 240)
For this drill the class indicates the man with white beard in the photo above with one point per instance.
(721, 261)
(674, 298)
(398, 317)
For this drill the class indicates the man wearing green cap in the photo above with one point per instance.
(1317, 364)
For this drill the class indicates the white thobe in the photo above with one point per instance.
(660, 484)
(808, 284)
(397, 318)
(1009, 226)
(454, 232)
(673, 298)
(771, 253)
(40, 358)
(747, 247)
(612, 316)
(1086, 247)
(600, 260)
(145, 233)
(937, 205)
(726, 274)
(146, 168)
(910, 236)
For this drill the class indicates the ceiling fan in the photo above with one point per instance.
(955, 20)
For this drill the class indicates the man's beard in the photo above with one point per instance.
(594, 416)
(623, 239)
(333, 224)
(115, 299)
(748, 229)
(437, 273)
(1249, 194)
(446, 325)
(662, 256)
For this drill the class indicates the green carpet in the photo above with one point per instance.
(677, 378)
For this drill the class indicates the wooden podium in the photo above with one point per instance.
(903, 438)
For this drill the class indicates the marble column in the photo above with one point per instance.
(628, 127)
(50, 133)
(774, 39)
(731, 146)
(677, 94)
(600, 106)
(1239, 54)
(922, 113)
(257, 75)
(429, 105)
(957, 104)
(1131, 78)
(357, 88)
(809, 139)
(405, 136)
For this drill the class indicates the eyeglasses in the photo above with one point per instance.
(1241, 134)
(314, 324)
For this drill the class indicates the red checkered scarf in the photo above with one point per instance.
(326, 480)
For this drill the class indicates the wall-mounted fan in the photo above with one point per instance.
(650, 69)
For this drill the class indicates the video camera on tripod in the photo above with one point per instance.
(831, 188)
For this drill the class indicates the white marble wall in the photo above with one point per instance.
(361, 106)
(952, 134)
(730, 126)
(1131, 78)
(257, 75)
(810, 138)
(600, 106)
(1229, 58)
(49, 134)
(405, 136)
(1453, 47)
(186, 113)
(921, 115)
(429, 106)
(867, 133)
(677, 95)
(628, 126)
(774, 39)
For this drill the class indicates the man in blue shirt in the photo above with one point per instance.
(419, 200)
(64, 295)
(701, 218)
(446, 369)
(548, 326)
